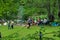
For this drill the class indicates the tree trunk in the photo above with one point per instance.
(59, 9)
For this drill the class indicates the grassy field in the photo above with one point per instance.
(22, 33)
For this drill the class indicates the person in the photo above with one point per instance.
(42, 21)
(39, 21)
(35, 21)
(8, 24)
(12, 24)
(29, 22)
(51, 18)
(0, 34)
(45, 21)
(40, 35)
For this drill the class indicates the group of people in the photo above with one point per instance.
(10, 24)
(31, 21)
(38, 21)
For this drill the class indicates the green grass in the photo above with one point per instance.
(19, 32)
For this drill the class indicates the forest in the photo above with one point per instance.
(13, 9)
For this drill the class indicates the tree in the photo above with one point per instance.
(9, 8)
(59, 8)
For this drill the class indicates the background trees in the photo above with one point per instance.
(9, 8)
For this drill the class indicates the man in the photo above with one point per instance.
(12, 23)
(40, 35)
(29, 23)
(8, 24)
(45, 21)
(39, 21)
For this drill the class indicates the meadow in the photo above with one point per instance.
(22, 33)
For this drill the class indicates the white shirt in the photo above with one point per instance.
(45, 20)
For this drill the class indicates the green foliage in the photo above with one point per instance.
(21, 33)
(26, 16)
(10, 7)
